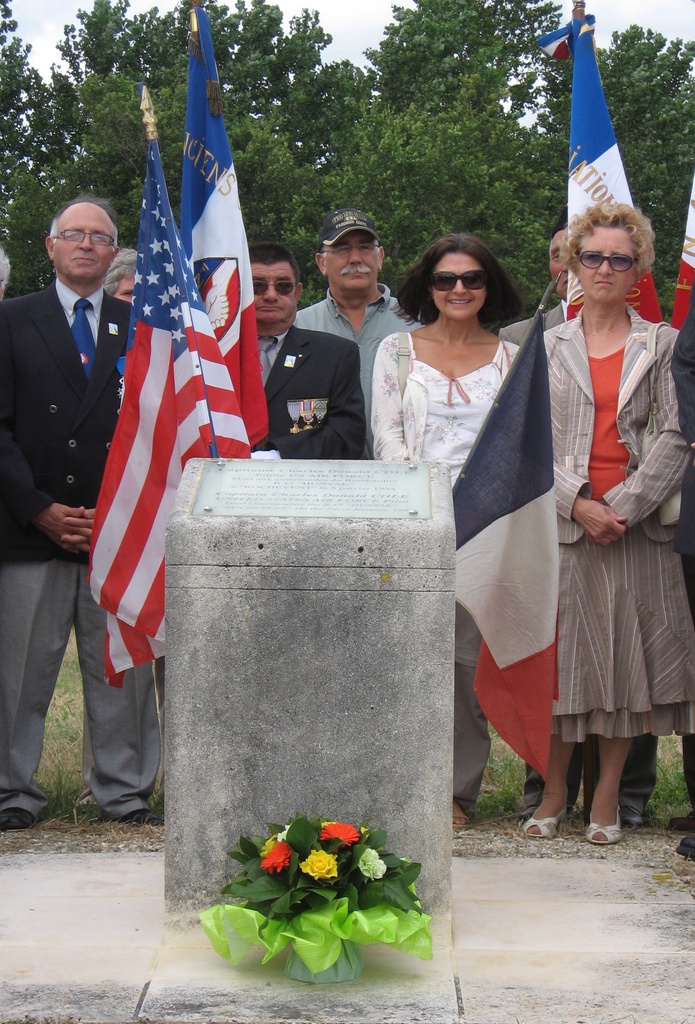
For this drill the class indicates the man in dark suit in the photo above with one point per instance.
(311, 379)
(61, 354)
(683, 370)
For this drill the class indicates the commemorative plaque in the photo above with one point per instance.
(325, 489)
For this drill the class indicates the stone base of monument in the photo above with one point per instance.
(310, 664)
(192, 983)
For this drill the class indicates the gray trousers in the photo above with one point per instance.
(39, 604)
(471, 736)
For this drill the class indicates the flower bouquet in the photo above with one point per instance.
(327, 888)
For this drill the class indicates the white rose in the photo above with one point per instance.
(371, 865)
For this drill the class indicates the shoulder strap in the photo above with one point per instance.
(403, 360)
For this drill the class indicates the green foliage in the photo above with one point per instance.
(278, 878)
(461, 122)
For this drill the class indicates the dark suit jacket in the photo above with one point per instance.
(55, 425)
(683, 370)
(324, 366)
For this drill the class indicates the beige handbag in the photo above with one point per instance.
(669, 510)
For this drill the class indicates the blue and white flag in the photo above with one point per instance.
(212, 229)
(595, 172)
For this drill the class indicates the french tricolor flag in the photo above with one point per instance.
(595, 172)
(507, 560)
(560, 43)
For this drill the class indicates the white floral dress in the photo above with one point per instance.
(439, 417)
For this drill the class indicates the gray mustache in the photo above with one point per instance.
(359, 269)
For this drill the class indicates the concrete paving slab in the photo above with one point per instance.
(79, 934)
(572, 941)
(194, 984)
(535, 942)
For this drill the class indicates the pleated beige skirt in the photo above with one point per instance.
(626, 648)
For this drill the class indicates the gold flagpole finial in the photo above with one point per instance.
(148, 116)
(579, 9)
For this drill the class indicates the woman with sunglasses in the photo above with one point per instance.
(626, 651)
(455, 369)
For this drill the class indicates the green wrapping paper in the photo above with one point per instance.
(317, 936)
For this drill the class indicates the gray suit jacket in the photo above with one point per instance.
(517, 332)
(649, 481)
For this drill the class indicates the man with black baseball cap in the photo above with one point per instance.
(356, 306)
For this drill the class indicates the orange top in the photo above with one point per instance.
(608, 456)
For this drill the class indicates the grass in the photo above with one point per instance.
(503, 783)
(500, 797)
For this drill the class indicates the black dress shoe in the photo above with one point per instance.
(527, 813)
(16, 819)
(686, 824)
(143, 816)
(630, 817)
(686, 848)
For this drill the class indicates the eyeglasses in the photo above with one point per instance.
(362, 249)
(74, 235)
(281, 287)
(444, 281)
(616, 261)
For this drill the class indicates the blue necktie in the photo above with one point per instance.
(82, 333)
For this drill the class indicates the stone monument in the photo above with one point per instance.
(310, 663)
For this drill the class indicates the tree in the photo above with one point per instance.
(428, 49)
(650, 92)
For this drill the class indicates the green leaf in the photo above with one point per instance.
(371, 895)
(265, 888)
(301, 835)
(410, 873)
(399, 895)
(247, 847)
(351, 895)
(377, 839)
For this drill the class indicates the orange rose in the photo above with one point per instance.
(340, 830)
(278, 858)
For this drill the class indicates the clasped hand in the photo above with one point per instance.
(69, 528)
(601, 523)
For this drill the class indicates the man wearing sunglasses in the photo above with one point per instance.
(356, 305)
(311, 379)
(60, 355)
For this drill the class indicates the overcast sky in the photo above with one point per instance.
(354, 24)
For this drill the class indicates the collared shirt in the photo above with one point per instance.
(380, 320)
(67, 298)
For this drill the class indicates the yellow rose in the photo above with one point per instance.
(320, 864)
(269, 845)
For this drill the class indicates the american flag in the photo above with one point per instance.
(178, 404)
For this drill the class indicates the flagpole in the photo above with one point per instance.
(149, 119)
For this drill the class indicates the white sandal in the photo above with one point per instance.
(612, 833)
(547, 826)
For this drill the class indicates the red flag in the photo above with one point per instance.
(178, 404)
(687, 268)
